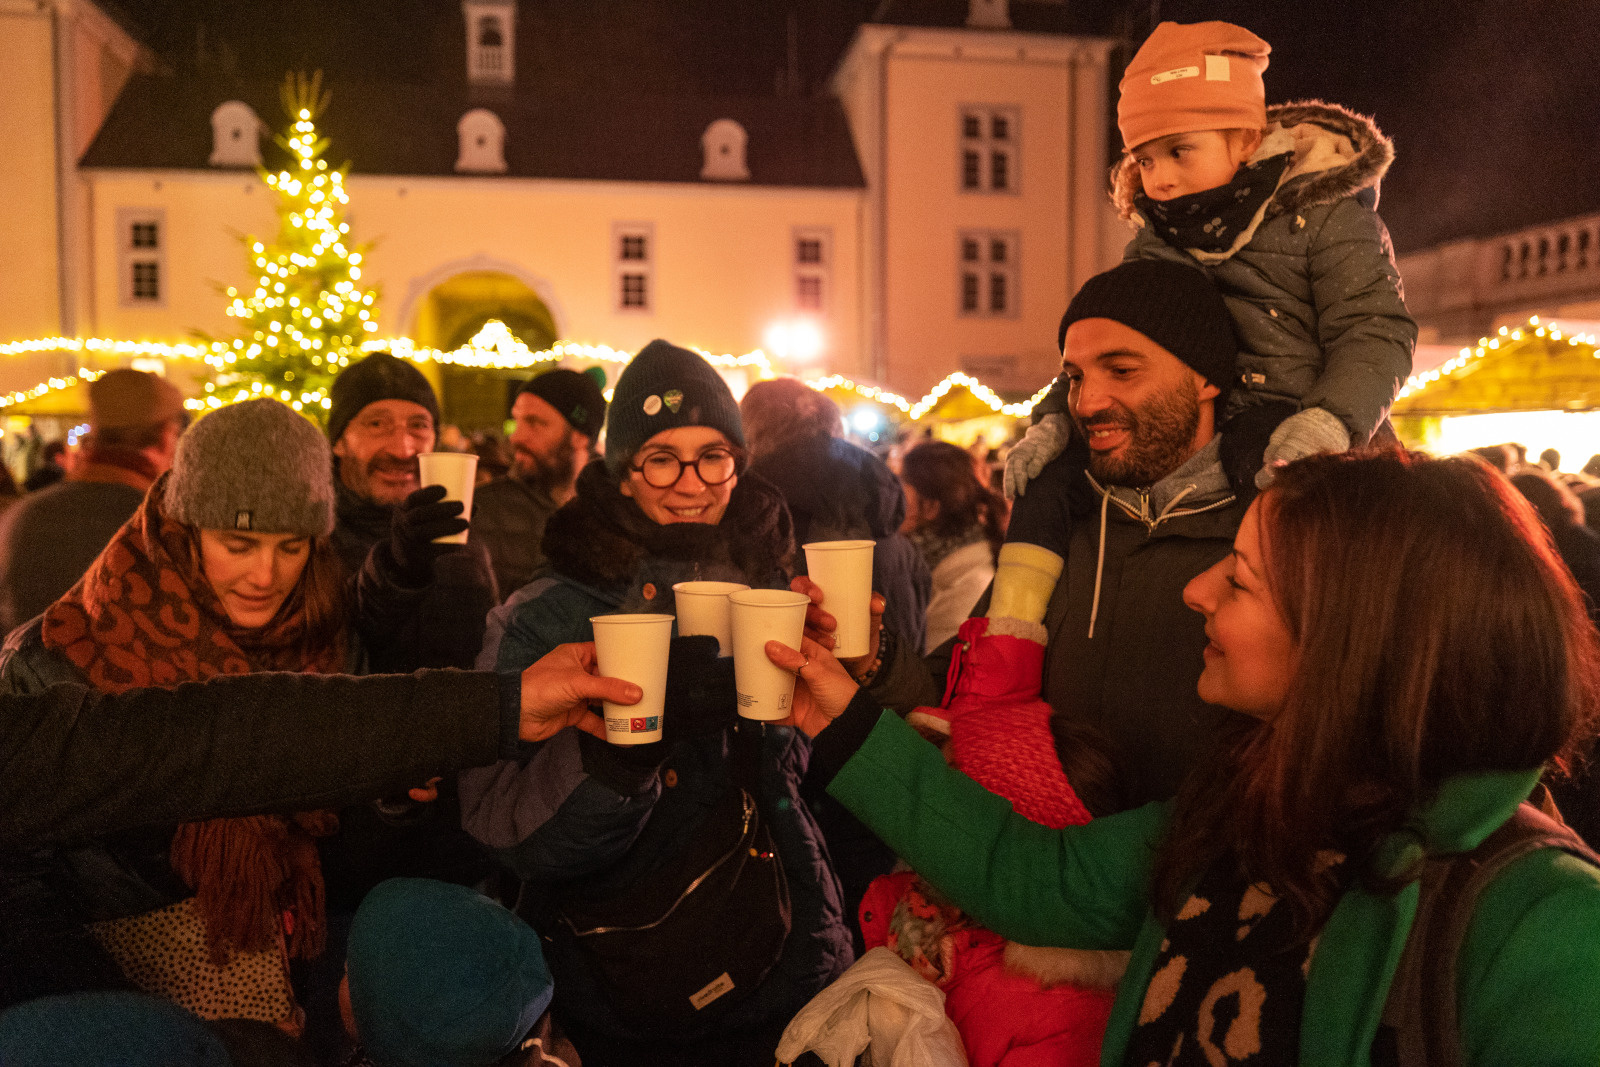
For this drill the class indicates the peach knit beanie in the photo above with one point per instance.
(1200, 76)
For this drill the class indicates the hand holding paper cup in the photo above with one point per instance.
(635, 649)
(843, 570)
(765, 690)
(703, 608)
(458, 473)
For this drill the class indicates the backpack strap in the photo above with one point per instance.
(1420, 1015)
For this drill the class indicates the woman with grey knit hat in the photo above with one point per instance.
(226, 568)
(599, 832)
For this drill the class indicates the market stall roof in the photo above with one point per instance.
(1542, 366)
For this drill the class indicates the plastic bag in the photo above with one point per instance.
(879, 1006)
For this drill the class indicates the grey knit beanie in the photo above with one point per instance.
(665, 387)
(256, 466)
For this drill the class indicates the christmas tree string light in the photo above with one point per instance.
(307, 316)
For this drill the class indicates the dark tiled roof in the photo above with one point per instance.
(1027, 16)
(403, 128)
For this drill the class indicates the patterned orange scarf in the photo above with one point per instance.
(145, 615)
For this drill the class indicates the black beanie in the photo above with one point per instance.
(1175, 306)
(576, 396)
(663, 388)
(380, 376)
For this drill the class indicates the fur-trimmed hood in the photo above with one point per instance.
(1337, 153)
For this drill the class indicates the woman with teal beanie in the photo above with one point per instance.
(1413, 657)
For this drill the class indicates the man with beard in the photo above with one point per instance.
(558, 416)
(383, 415)
(1147, 353)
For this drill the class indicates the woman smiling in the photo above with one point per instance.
(1414, 657)
(605, 837)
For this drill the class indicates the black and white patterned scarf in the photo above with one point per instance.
(1212, 220)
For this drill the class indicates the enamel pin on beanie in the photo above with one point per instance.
(663, 388)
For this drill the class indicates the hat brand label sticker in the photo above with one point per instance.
(674, 399)
(1217, 69)
(1174, 74)
(241, 520)
(652, 404)
(719, 985)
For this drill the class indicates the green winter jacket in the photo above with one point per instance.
(1311, 283)
(1529, 975)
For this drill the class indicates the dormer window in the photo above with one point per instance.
(483, 143)
(235, 136)
(491, 41)
(724, 143)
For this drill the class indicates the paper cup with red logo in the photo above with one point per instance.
(765, 690)
(458, 473)
(703, 608)
(634, 648)
(844, 571)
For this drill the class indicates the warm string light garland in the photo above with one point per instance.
(493, 347)
(1504, 336)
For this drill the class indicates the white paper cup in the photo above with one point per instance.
(457, 472)
(844, 571)
(765, 690)
(634, 648)
(703, 609)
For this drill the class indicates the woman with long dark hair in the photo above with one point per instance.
(1413, 657)
(958, 524)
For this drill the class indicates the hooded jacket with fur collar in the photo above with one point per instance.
(1311, 281)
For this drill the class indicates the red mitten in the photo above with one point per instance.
(999, 728)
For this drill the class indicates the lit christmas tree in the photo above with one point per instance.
(308, 315)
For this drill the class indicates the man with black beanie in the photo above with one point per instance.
(558, 416)
(425, 604)
(383, 416)
(1140, 506)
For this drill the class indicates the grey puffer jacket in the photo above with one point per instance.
(1311, 283)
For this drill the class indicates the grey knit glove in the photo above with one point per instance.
(1302, 434)
(1044, 441)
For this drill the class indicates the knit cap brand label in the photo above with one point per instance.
(241, 520)
(1217, 69)
(1176, 73)
(719, 985)
(652, 404)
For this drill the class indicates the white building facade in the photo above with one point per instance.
(934, 213)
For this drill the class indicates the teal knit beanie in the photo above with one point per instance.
(441, 976)
(107, 1028)
(663, 388)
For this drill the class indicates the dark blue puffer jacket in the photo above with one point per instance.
(553, 822)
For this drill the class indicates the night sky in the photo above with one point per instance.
(1494, 105)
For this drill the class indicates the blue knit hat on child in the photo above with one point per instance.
(441, 976)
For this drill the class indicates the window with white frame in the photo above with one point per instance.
(141, 247)
(990, 149)
(813, 266)
(989, 262)
(633, 246)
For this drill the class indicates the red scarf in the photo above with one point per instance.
(144, 615)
